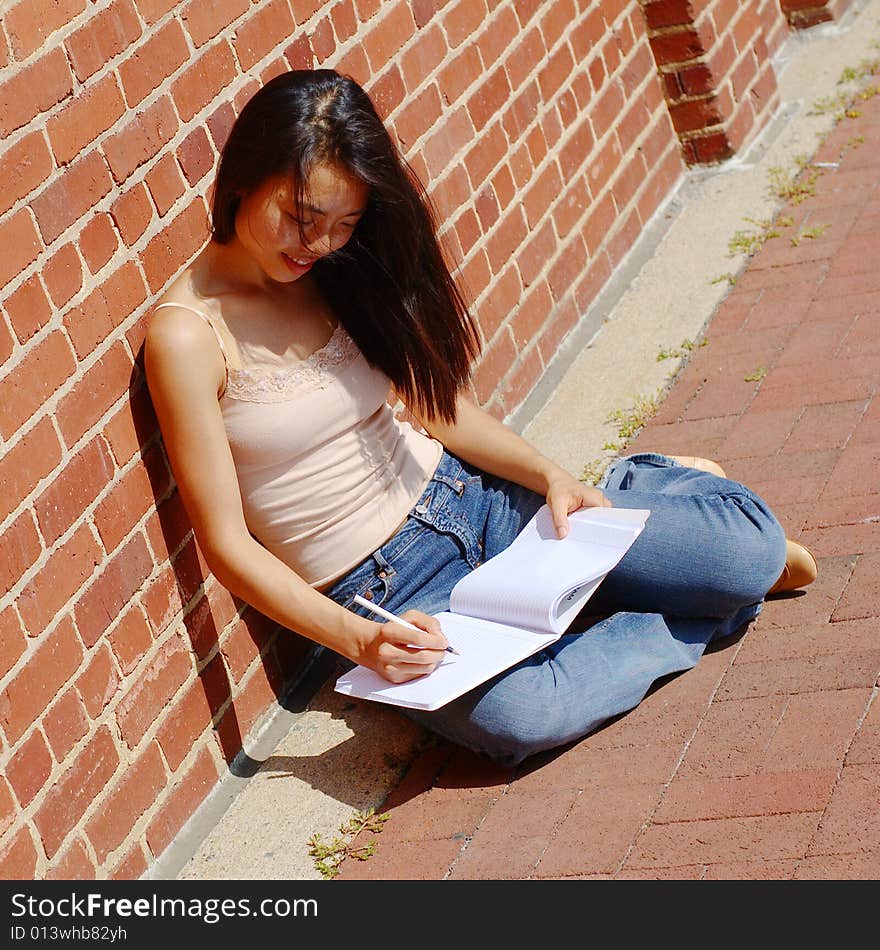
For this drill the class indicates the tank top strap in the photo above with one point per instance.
(210, 323)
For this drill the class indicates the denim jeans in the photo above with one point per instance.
(710, 551)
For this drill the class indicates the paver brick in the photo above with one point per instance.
(599, 830)
(847, 867)
(741, 796)
(801, 675)
(771, 644)
(851, 823)
(726, 840)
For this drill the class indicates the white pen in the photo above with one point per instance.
(382, 612)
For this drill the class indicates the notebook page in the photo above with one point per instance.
(530, 583)
(486, 649)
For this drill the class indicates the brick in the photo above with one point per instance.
(112, 589)
(205, 19)
(132, 867)
(184, 798)
(28, 308)
(497, 858)
(847, 867)
(153, 62)
(23, 167)
(143, 704)
(851, 824)
(195, 156)
(7, 343)
(557, 72)
(18, 859)
(423, 56)
(262, 31)
(458, 75)
(203, 81)
(130, 639)
(22, 549)
(139, 787)
(7, 807)
(105, 309)
(63, 275)
(141, 139)
(103, 37)
(100, 681)
(185, 722)
(860, 597)
(21, 243)
(39, 679)
(73, 864)
(132, 426)
(131, 213)
(599, 830)
(763, 838)
(74, 791)
(103, 384)
(94, 110)
(34, 90)
(29, 25)
(65, 723)
(153, 10)
(413, 861)
(249, 708)
(171, 248)
(29, 767)
(865, 748)
(73, 489)
(71, 196)
(98, 242)
(165, 183)
(66, 570)
(817, 728)
(130, 498)
(12, 641)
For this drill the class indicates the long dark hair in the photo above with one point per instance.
(389, 286)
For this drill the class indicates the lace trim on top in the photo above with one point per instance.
(277, 385)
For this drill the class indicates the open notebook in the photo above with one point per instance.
(513, 605)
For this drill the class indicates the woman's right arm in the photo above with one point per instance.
(185, 373)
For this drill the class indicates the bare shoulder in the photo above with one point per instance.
(178, 340)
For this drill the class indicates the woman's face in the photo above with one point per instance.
(286, 246)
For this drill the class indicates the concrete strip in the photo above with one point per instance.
(320, 758)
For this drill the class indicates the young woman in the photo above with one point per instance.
(270, 360)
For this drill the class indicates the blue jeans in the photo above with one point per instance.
(709, 553)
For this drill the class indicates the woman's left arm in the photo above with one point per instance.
(479, 438)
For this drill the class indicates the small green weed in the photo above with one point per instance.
(794, 187)
(593, 471)
(329, 855)
(630, 421)
(810, 234)
(686, 346)
(758, 375)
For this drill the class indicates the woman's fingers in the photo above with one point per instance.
(408, 652)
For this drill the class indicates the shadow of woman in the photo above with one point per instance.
(225, 634)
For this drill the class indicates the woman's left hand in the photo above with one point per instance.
(566, 494)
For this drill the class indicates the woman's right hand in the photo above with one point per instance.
(399, 653)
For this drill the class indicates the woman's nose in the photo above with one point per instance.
(320, 244)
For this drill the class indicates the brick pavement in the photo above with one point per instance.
(762, 762)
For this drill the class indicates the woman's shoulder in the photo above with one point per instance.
(181, 333)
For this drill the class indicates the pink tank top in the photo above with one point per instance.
(326, 471)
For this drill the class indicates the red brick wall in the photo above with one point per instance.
(128, 676)
(805, 13)
(714, 58)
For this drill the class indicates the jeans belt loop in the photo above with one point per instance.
(385, 569)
